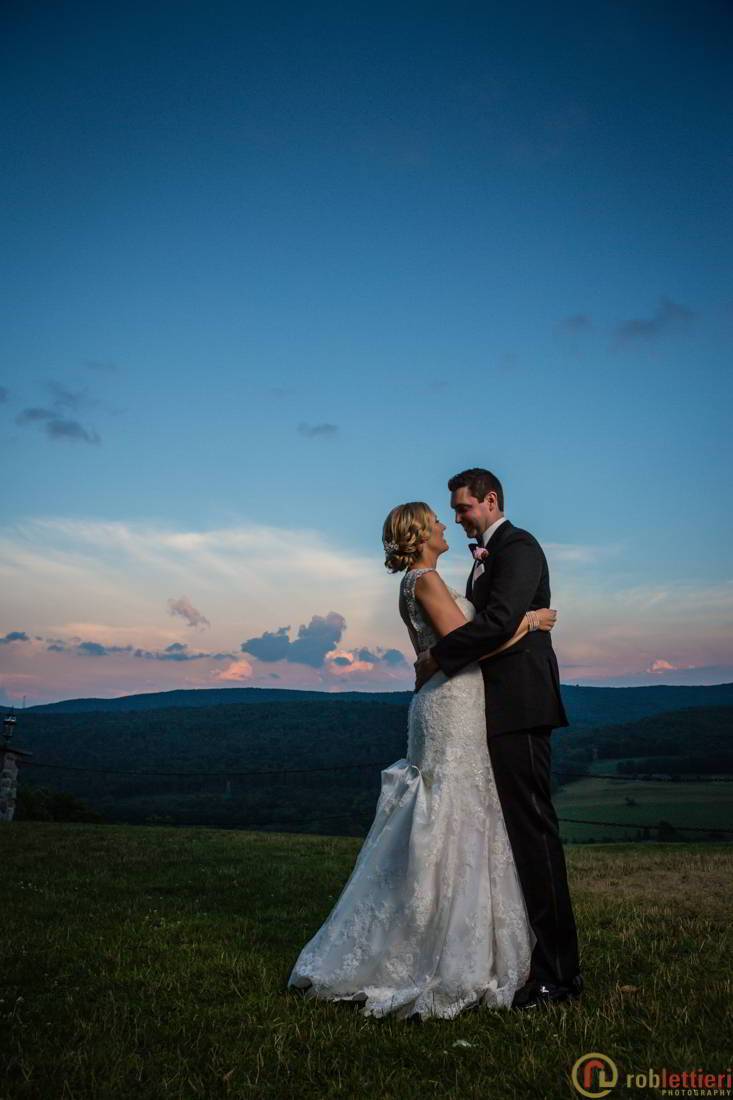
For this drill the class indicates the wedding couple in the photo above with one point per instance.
(459, 895)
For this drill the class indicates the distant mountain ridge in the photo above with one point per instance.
(586, 706)
(208, 697)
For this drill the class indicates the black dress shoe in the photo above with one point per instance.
(537, 994)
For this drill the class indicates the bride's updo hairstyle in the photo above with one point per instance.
(405, 530)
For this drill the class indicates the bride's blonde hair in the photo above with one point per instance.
(405, 530)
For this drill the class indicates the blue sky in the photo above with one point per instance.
(269, 272)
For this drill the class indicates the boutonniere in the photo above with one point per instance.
(480, 553)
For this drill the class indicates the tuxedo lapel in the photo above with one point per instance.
(478, 593)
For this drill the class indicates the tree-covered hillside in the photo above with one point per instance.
(321, 758)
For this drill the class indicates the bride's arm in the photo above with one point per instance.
(444, 613)
(446, 616)
(545, 621)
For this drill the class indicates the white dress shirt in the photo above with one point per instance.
(479, 565)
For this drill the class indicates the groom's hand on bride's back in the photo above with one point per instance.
(425, 667)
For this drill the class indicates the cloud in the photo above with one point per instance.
(14, 636)
(183, 607)
(178, 651)
(578, 322)
(56, 427)
(269, 646)
(310, 647)
(92, 649)
(662, 666)
(70, 429)
(67, 399)
(80, 566)
(239, 670)
(4, 394)
(32, 415)
(368, 667)
(576, 554)
(313, 431)
(96, 649)
(668, 315)
(391, 657)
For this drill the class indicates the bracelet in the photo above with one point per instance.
(534, 623)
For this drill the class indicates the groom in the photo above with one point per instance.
(523, 705)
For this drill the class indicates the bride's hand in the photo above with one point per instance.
(546, 617)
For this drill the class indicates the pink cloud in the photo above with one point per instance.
(660, 665)
(237, 671)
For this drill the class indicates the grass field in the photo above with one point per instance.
(152, 963)
(699, 804)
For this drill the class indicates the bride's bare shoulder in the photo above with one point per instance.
(430, 584)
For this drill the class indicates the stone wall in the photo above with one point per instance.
(8, 783)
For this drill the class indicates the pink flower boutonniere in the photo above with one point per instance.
(480, 553)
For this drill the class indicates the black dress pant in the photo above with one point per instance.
(521, 764)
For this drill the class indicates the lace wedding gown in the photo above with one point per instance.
(432, 918)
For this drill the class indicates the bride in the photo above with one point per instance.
(432, 919)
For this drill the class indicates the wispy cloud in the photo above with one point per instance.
(77, 581)
(64, 398)
(33, 415)
(564, 553)
(82, 572)
(183, 607)
(4, 394)
(176, 651)
(56, 427)
(668, 315)
(96, 649)
(314, 431)
(179, 651)
(71, 429)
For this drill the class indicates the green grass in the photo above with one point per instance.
(698, 804)
(152, 963)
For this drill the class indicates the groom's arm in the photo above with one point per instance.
(514, 580)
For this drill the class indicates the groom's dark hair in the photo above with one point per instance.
(479, 482)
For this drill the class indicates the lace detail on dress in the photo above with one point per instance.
(425, 636)
(432, 918)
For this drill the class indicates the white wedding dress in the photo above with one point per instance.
(432, 918)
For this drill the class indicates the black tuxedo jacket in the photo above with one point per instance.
(522, 684)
